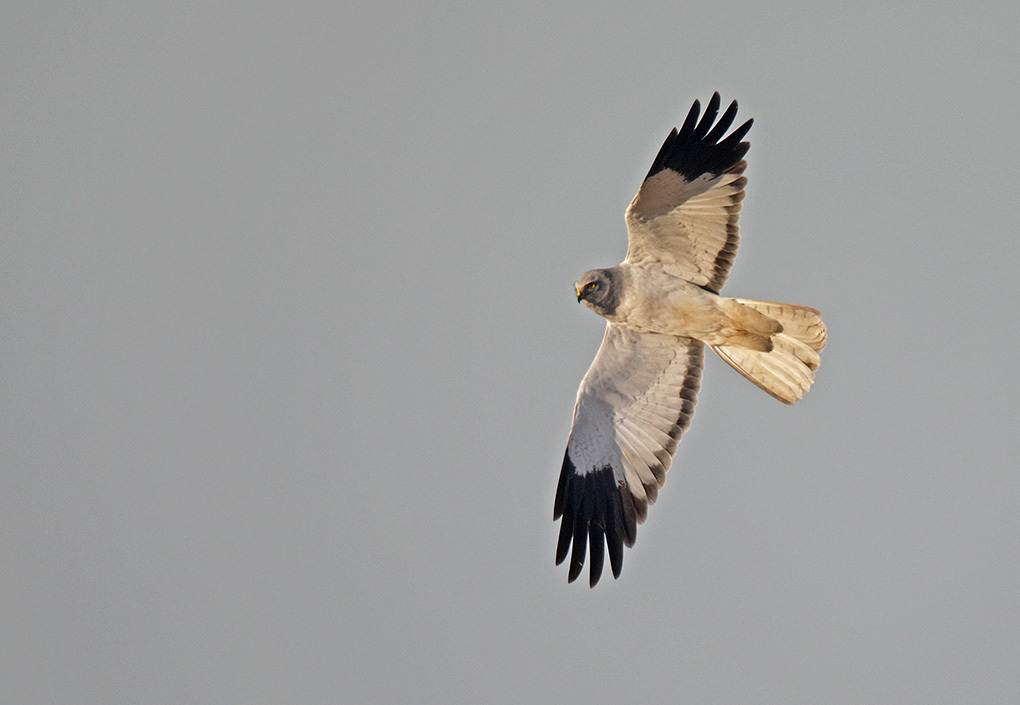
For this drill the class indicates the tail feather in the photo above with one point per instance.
(799, 322)
(787, 371)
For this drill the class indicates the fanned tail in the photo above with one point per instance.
(788, 369)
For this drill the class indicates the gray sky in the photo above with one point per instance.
(290, 352)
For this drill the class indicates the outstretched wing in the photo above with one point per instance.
(635, 401)
(684, 216)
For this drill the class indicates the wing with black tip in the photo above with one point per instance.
(684, 216)
(635, 401)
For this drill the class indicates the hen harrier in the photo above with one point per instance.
(663, 307)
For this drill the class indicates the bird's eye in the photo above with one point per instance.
(589, 285)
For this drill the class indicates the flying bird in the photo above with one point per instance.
(663, 307)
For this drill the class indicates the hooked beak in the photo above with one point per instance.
(579, 294)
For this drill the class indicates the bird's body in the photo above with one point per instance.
(654, 301)
(663, 306)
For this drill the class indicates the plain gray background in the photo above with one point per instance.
(290, 351)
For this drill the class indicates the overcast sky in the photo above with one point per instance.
(290, 350)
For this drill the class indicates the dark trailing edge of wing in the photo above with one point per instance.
(596, 512)
(696, 149)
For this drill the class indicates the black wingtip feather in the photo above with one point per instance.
(724, 123)
(597, 542)
(563, 544)
(577, 555)
(711, 110)
(590, 507)
(737, 134)
(615, 531)
(567, 471)
(691, 120)
(697, 148)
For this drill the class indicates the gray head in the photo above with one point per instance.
(599, 289)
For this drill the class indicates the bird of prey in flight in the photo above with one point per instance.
(663, 307)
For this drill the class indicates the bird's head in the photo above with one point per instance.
(597, 289)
